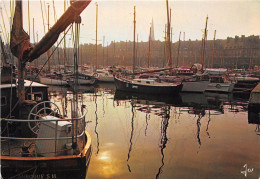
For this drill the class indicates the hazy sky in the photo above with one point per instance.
(115, 18)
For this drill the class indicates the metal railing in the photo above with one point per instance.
(75, 131)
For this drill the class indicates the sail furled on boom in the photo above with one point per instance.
(20, 45)
(20, 40)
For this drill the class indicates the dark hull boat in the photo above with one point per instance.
(147, 86)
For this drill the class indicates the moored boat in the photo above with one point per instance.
(105, 76)
(82, 79)
(53, 80)
(219, 83)
(149, 86)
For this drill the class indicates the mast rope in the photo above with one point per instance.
(42, 16)
(39, 72)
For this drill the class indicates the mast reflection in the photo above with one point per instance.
(254, 118)
(131, 138)
(164, 139)
(96, 132)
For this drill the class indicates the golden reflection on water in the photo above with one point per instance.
(134, 138)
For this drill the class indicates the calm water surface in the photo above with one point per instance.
(187, 136)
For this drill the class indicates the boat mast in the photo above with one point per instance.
(103, 51)
(149, 53)
(17, 30)
(212, 61)
(20, 44)
(134, 44)
(168, 54)
(95, 69)
(164, 47)
(178, 50)
(204, 43)
(183, 48)
(48, 52)
(64, 50)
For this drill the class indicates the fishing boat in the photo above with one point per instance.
(220, 83)
(53, 79)
(83, 79)
(146, 85)
(195, 83)
(105, 75)
(37, 141)
(149, 86)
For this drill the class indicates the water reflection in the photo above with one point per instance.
(164, 139)
(131, 137)
(254, 118)
(96, 132)
(126, 127)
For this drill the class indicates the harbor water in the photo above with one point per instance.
(189, 135)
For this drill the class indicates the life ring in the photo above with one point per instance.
(218, 86)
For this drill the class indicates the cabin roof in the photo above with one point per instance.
(256, 89)
(26, 84)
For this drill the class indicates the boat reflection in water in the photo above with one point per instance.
(186, 136)
(254, 118)
(202, 108)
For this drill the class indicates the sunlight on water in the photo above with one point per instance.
(186, 136)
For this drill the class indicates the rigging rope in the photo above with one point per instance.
(42, 16)
(19, 100)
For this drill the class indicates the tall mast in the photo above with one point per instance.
(169, 62)
(183, 48)
(107, 53)
(137, 50)
(178, 49)
(204, 43)
(134, 44)
(28, 6)
(95, 69)
(171, 46)
(48, 52)
(164, 47)
(149, 52)
(212, 61)
(103, 51)
(36, 62)
(64, 50)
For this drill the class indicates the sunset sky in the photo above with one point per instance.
(115, 18)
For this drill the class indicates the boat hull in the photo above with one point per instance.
(106, 79)
(50, 81)
(82, 82)
(48, 166)
(198, 87)
(124, 85)
(220, 87)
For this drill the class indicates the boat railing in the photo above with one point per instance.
(77, 131)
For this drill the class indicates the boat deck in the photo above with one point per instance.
(16, 148)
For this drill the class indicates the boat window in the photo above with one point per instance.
(148, 82)
(139, 81)
(35, 96)
(3, 101)
(217, 80)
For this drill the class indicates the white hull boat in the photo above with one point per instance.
(52, 81)
(195, 86)
(220, 87)
(108, 78)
